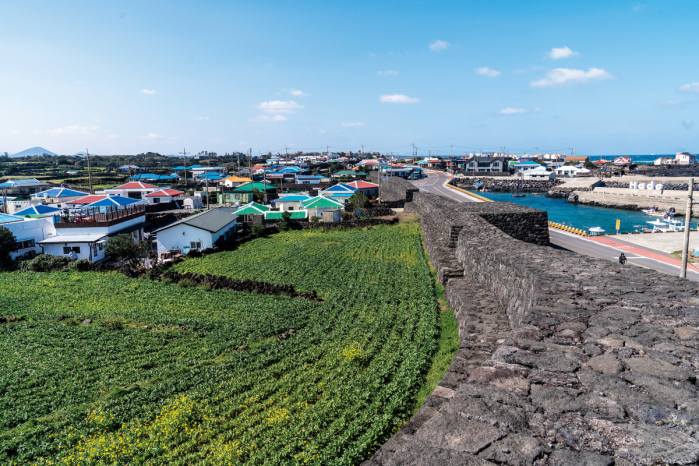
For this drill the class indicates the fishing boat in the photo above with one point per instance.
(518, 195)
(642, 229)
(659, 225)
(595, 231)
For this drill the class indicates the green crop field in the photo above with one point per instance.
(157, 376)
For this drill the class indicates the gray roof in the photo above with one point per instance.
(485, 159)
(210, 220)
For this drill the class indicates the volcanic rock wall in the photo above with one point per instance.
(564, 359)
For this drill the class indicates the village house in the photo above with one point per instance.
(200, 231)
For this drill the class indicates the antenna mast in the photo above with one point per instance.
(89, 174)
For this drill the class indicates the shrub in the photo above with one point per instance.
(258, 230)
(206, 287)
(347, 216)
(81, 265)
(186, 283)
(44, 263)
(315, 219)
(8, 244)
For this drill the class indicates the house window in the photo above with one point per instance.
(156, 200)
(195, 245)
(67, 249)
(290, 208)
(27, 243)
(134, 194)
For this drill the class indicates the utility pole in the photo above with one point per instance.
(451, 152)
(238, 166)
(414, 150)
(89, 174)
(687, 221)
(362, 149)
(184, 165)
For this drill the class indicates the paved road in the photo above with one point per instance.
(434, 183)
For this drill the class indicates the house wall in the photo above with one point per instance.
(85, 249)
(181, 236)
(37, 229)
(288, 205)
(100, 230)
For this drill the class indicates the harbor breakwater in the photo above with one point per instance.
(563, 360)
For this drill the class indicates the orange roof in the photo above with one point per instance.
(258, 167)
(237, 179)
(576, 158)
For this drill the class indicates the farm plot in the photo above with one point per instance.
(181, 392)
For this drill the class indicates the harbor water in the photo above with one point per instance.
(577, 215)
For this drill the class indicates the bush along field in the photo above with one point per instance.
(96, 368)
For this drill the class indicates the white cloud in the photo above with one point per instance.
(688, 124)
(537, 110)
(349, 125)
(151, 92)
(201, 118)
(511, 111)
(398, 99)
(322, 131)
(74, 129)
(261, 118)
(693, 87)
(36, 131)
(16, 131)
(153, 136)
(520, 71)
(485, 71)
(669, 102)
(561, 52)
(638, 7)
(438, 45)
(561, 76)
(279, 106)
(296, 92)
(112, 136)
(387, 73)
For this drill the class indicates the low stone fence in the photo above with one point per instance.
(507, 185)
(564, 359)
(666, 186)
(669, 170)
(396, 189)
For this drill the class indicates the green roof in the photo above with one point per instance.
(349, 173)
(321, 202)
(252, 209)
(249, 187)
(295, 215)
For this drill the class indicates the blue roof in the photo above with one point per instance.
(309, 176)
(113, 201)
(59, 192)
(340, 188)
(293, 198)
(4, 218)
(519, 164)
(342, 194)
(196, 166)
(27, 182)
(37, 210)
(210, 176)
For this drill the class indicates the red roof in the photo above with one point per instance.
(362, 184)
(165, 192)
(88, 199)
(259, 167)
(136, 185)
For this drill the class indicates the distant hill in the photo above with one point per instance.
(33, 151)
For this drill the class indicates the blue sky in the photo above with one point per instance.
(126, 77)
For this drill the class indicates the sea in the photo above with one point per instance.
(579, 216)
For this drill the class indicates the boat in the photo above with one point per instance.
(642, 229)
(595, 231)
(652, 211)
(518, 195)
(659, 225)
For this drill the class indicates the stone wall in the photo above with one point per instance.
(564, 359)
(666, 186)
(507, 185)
(669, 170)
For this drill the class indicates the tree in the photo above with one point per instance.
(358, 201)
(124, 248)
(8, 244)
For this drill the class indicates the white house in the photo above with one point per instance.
(291, 202)
(364, 187)
(199, 231)
(192, 202)
(85, 231)
(570, 170)
(685, 158)
(18, 203)
(538, 174)
(664, 161)
(526, 166)
(28, 232)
